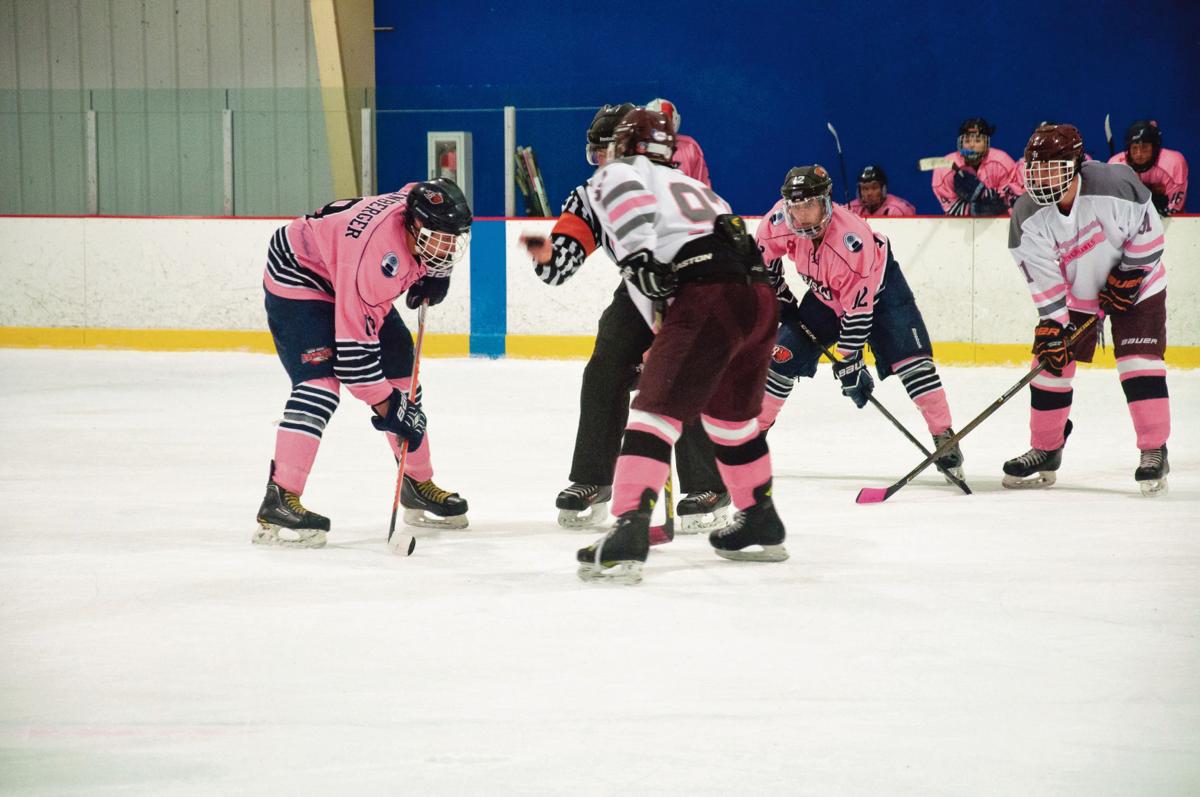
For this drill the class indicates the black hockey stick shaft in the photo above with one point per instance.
(959, 483)
(401, 544)
(869, 495)
(841, 162)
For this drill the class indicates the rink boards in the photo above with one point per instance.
(196, 284)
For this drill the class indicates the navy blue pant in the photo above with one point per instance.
(897, 332)
(304, 339)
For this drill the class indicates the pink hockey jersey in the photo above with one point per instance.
(845, 270)
(353, 253)
(1169, 176)
(690, 158)
(996, 171)
(892, 206)
(1066, 259)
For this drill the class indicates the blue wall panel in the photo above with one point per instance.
(756, 84)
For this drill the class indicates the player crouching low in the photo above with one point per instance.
(674, 237)
(1087, 238)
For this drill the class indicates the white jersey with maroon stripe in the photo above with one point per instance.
(1066, 258)
(644, 205)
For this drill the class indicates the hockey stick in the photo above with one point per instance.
(841, 162)
(1108, 134)
(539, 185)
(666, 532)
(875, 495)
(959, 483)
(929, 164)
(406, 542)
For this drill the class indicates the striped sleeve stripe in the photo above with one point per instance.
(286, 270)
(1044, 310)
(621, 190)
(633, 224)
(1144, 260)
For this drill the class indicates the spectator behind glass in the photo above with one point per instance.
(982, 180)
(688, 154)
(873, 197)
(1163, 171)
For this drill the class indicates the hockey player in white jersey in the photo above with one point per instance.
(1087, 239)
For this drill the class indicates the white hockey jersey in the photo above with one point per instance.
(1067, 259)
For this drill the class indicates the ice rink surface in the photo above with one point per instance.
(937, 644)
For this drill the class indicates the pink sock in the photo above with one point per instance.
(645, 458)
(935, 409)
(308, 409)
(771, 407)
(1050, 401)
(1144, 380)
(743, 458)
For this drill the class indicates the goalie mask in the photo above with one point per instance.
(1052, 159)
(600, 133)
(440, 221)
(807, 193)
(975, 139)
(643, 132)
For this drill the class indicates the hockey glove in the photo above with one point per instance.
(656, 280)
(1161, 204)
(403, 418)
(966, 185)
(1050, 345)
(989, 203)
(789, 313)
(427, 289)
(1120, 290)
(856, 381)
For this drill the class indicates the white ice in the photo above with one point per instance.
(1003, 643)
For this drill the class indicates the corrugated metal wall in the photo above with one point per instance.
(159, 73)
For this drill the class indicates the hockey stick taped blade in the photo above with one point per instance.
(929, 164)
(871, 495)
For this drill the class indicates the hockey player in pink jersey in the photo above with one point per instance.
(688, 155)
(873, 197)
(675, 238)
(330, 281)
(1164, 171)
(1086, 238)
(857, 295)
(982, 180)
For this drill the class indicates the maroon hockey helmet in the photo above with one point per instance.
(1052, 159)
(643, 132)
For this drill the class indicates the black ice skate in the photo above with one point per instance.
(952, 460)
(618, 556)
(758, 527)
(1152, 470)
(1035, 468)
(283, 520)
(583, 506)
(703, 512)
(425, 504)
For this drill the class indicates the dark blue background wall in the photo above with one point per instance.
(755, 84)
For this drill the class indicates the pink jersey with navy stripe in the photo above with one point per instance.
(892, 205)
(690, 158)
(996, 171)
(1168, 176)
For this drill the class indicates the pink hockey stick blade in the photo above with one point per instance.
(659, 535)
(871, 495)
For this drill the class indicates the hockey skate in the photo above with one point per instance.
(583, 506)
(619, 555)
(1152, 470)
(429, 506)
(952, 460)
(283, 520)
(703, 511)
(758, 527)
(1035, 468)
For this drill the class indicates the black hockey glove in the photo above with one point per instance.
(1120, 290)
(403, 418)
(989, 203)
(966, 185)
(656, 280)
(1160, 204)
(427, 289)
(856, 381)
(789, 313)
(1050, 345)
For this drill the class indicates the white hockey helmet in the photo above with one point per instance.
(667, 109)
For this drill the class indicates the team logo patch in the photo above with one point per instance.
(781, 354)
(777, 218)
(390, 264)
(433, 196)
(852, 242)
(316, 356)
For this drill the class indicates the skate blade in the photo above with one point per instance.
(593, 516)
(426, 520)
(625, 572)
(766, 553)
(268, 534)
(1042, 480)
(957, 473)
(709, 521)
(1153, 488)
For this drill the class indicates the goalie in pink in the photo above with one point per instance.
(330, 281)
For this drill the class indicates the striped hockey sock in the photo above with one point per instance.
(645, 458)
(924, 386)
(305, 415)
(743, 458)
(1050, 404)
(1144, 381)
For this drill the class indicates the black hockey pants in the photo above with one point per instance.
(608, 378)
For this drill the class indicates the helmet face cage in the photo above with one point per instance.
(439, 251)
(1048, 181)
(804, 203)
(965, 148)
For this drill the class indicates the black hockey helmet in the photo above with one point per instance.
(873, 173)
(643, 132)
(600, 132)
(439, 218)
(801, 186)
(975, 126)
(1143, 131)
